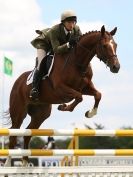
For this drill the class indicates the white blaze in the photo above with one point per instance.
(111, 44)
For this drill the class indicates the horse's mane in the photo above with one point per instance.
(90, 33)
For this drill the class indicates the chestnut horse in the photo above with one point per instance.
(69, 79)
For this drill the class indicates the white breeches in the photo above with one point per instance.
(40, 55)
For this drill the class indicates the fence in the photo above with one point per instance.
(99, 171)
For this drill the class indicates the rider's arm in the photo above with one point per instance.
(57, 48)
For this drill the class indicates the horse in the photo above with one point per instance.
(70, 78)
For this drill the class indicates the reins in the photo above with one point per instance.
(83, 69)
(89, 52)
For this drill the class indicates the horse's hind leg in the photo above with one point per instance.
(12, 144)
(38, 114)
(91, 90)
(17, 115)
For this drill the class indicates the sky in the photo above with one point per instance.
(18, 22)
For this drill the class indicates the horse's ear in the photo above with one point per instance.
(102, 30)
(113, 31)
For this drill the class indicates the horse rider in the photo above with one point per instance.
(57, 39)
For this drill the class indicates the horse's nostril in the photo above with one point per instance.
(115, 68)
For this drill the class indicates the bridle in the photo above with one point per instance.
(79, 65)
(103, 56)
(99, 48)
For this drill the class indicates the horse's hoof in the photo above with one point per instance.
(8, 162)
(24, 163)
(62, 107)
(88, 114)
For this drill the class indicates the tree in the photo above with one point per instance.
(37, 143)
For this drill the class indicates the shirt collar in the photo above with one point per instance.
(66, 31)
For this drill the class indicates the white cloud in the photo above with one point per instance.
(18, 20)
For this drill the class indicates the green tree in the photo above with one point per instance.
(106, 142)
(37, 143)
(62, 144)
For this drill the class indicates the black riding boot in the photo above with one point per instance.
(35, 85)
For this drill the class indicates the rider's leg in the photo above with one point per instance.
(37, 75)
(41, 53)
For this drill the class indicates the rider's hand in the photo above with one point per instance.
(72, 42)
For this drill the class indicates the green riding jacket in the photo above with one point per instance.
(54, 39)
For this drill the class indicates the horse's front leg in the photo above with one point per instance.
(70, 94)
(91, 90)
(12, 144)
(25, 159)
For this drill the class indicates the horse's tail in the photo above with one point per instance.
(6, 119)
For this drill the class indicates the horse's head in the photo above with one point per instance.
(106, 50)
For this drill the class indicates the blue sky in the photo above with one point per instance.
(18, 21)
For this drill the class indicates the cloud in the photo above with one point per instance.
(18, 20)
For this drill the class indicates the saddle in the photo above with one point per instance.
(45, 68)
(46, 65)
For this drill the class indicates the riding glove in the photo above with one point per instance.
(72, 42)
